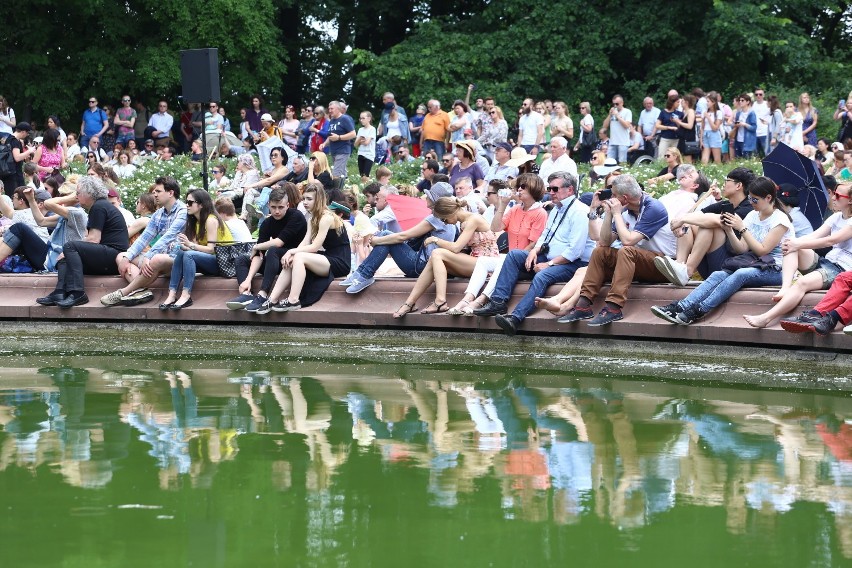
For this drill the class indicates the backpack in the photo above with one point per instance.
(7, 160)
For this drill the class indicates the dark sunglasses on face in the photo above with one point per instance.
(190, 202)
(553, 188)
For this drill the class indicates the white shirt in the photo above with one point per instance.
(648, 120)
(677, 203)
(840, 253)
(762, 112)
(563, 163)
(759, 229)
(368, 150)
(528, 125)
(620, 135)
(163, 122)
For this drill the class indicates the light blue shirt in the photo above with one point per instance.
(567, 231)
(166, 224)
(647, 120)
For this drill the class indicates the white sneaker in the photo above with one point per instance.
(112, 299)
(674, 271)
(848, 329)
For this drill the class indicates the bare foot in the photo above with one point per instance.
(757, 321)
(550, 305)
(778, 295)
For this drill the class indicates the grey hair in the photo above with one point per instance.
(567, 177)
(389, 94)
(560, 140)
(626, 185)
(684, 169)
(390, 189)
(465, 180)
(335, 103)
(93, 187)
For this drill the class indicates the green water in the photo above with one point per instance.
(298, 459)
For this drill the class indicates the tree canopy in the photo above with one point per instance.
(293, 52)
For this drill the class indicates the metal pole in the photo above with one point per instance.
(204, 148)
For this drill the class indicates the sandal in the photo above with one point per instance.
(468, 309)
(457, 311)
(439, 308)
(404, 310)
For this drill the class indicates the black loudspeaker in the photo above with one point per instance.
(199, 73)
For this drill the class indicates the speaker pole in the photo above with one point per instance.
(204, 149)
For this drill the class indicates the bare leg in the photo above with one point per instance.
(281, 284)
(705, 240)
(423, 282)
(5, 251)
(789, 265)
(444, 262)
(561, 303)
(791, 299)
(685, 244)
(302, 262)
(160, 264)
(717, 155)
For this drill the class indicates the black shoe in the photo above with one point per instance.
(508, 323)
(491, 308)
(690, 316)
(577, 314)
(824, 325)
(802, 323)
(668, 312)
(73, 299)
(51, 299)
(180, 306)
(606, 317)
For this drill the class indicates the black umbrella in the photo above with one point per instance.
(785, 165)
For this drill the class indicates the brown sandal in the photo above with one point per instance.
(404, 310)
(438, 308)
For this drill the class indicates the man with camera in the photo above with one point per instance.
(562, 248)
(625, 252)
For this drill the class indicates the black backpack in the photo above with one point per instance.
(7, 160)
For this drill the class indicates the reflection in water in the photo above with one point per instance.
(540, 454)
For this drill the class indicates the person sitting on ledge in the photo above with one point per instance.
(283, 230)
(323, 255)
(560, 250)
(625, 252)
(106, 237)
(818, 272)
(760, 233)
(410, 255)
(447, 258)
(835, 307)
(141, 270)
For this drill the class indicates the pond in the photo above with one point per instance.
(292, 458)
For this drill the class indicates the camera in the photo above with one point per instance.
(605, 194)
(545, 248)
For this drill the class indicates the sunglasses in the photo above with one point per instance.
(93, 102)
(125, 100)
(553, 188)
(190, 202)
(754, 200)
(149, 145)
(90, 156)
(840, 195)
(447, 161)
(217, 171)
(317, 113)
(492, 112)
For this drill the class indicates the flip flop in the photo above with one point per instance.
(439, 308)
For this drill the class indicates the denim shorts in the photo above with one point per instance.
(827, 269)
(712, 139)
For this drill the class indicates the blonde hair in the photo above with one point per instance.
(320, 209)
(322, 160)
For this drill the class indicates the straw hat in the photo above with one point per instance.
(468, 147)
(519, 157)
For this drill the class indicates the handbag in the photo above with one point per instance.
(227, 254)
(749, 260)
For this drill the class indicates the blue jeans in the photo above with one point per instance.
(513, 270)
(436, 145)
(618, 153)
(123, 139)
(262, 201)
(721, 285)
(763, 144)
(187, 262)
(403, 255)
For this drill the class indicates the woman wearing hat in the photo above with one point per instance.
(818, 272)
(467, 166)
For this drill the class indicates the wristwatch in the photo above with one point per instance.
(592, 215)
(549, 263)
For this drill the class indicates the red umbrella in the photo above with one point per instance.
(408, 210)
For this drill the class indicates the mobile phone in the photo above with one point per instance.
(841, 104)
(605, 194)
(726, 207)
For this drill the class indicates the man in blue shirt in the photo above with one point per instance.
(625, 252)
(563, 247)
(141, 270)
(341, 132)
(95, 122)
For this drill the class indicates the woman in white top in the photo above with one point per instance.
(365, 141)
(791, 128)
(761, 232)
(228, 213)
(711, 139)
(125, 168)
(7, 118)
(818, 272)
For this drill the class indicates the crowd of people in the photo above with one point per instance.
(497, 212)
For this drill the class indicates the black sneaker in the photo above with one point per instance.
(802, 323)
(507, 323)
(606, 317)
(577, 314)
(668, 312)
(257, 304)
(491, 308)
(286, 306)
(824, 325)
(51, 299)
(690, 316)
